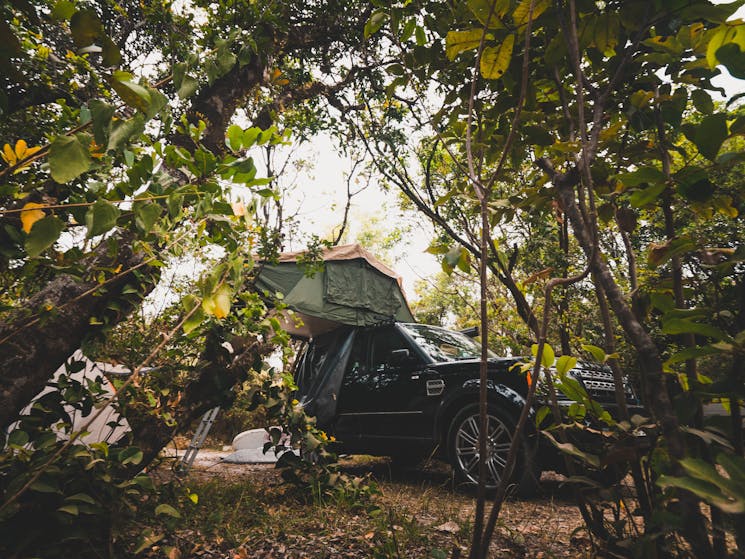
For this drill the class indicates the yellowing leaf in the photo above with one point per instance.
(30, 215)
(9, 155)
(13, 156)
(547, 357)
(496, 60)
(489, 12)
(222, 302)
(459, 41)
(721, 36)
(522, 14)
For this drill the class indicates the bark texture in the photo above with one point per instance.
(36, 341)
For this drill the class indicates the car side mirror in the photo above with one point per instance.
(399, 357)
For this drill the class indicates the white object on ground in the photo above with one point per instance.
(249, 447)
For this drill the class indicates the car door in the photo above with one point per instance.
(378, 401)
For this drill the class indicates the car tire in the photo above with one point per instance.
(462, 441)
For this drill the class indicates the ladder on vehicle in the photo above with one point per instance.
(197, 441)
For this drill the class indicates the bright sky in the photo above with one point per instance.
(321, 195)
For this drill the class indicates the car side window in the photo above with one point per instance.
(357, 371)
(383, 343)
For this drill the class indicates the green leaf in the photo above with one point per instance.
(547, 357)
(185, 84)
(62, 10)
(675, 326)
(538, 135)
(733, 58)
(456, 256)
(168, 510)
(459, 41)
(464, 262)
(646, 196)
(641, 176)
(43, 487)
(376, 21)
(101, 115)
(565, 363)
(724, 36)
(710, 135)
(408, 30)
(693, 183)
(158, 101)
(421, 36)
(101, 217)
(702, 101)
(572, 389)
(482, 8)
(123, 130)
(496, 60)
(82, 498)
(235, 137)
(569, 448)
(541, 414)
(705, 490)
(68, 158)
(131, 455)
(189, 302)
(146, 214)
(69, 509)
(131, 93)
(734, 466)
(43, 234)
(598, 354)
(85, 28)
(111, 56)
(18, 438)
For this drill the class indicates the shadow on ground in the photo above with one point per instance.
(435, 473)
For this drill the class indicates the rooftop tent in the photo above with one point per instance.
(353, 289)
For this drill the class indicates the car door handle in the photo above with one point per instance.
(427, 373)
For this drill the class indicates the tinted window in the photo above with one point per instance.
(384, 342)
(357, 371)
(444, 345)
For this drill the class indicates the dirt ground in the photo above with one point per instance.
(419, 514)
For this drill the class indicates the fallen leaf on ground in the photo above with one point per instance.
(449, 526)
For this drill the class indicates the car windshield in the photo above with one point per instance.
(444, 345)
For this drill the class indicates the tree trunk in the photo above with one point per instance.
(650, 362)
(36, 341)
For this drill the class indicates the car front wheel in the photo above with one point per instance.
(463, 447)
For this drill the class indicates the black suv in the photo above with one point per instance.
(411, 390)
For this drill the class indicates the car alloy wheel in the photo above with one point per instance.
(466, 449)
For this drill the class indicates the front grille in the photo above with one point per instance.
(599, 383)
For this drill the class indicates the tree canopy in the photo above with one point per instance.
(577, 151)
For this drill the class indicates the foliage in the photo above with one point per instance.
(122, 158)
(315, 471)
(592, 130)
(84, 498)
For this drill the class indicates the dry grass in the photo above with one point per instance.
(247, 511)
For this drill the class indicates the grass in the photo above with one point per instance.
(244, 511)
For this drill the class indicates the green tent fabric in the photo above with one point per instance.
(354, 288)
